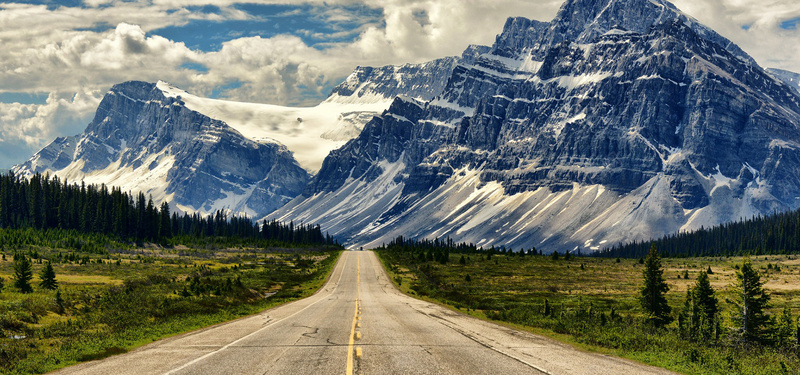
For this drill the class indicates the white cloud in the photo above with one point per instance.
(69, 50)
(754, 26)
(26, 128)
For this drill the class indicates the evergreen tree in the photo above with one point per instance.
(60, 302)
(165, 227)
(22, 274)
(652, 296)
(699, 318)
(707, 307)
(2, 283)
(750, 300)
(785, 332)
(48, 277)
(685, 316)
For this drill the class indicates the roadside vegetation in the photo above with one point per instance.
(87, 271)
(709, 315)
(60, 306)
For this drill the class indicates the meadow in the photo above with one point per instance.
(114, 296)
(593, 303)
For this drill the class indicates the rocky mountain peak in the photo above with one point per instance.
(618, 120)
(143, 140)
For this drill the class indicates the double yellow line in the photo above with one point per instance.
(356, 317)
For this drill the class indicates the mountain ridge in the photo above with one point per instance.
(570, 144)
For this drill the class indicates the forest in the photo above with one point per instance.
(778, 233)
(44, 202)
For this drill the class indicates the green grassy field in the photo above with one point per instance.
(592, 303)
(128, 297)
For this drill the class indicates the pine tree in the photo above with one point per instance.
(704, 321)
(60, 302)
(652, 296)
(751, 300)
(2, 283)
(685, 316)
(22, 274)
(48, 277)
(785, 333)
(165, 229)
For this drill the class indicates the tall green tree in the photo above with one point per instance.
(707, 314)
(785, 334)
(164, 226)
(48, 277)
(750, 300)
(700, 316)
(22, 273)
(652, 296)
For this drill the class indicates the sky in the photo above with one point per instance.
(58, 58)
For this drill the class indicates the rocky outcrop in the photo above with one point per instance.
(143, 140)
(619, 120)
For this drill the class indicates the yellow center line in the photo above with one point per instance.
(355, 320)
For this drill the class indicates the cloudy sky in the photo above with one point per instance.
(59, 57)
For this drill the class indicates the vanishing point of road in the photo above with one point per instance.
(359, 323)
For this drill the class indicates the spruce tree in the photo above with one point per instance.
(652, 296)
(22, 273)
(785, 332)
(60, 302)
(48, 277)
(707, 307)
(750, 300)
(164, 228)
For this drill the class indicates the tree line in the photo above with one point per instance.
(44, 202)
(759, 235)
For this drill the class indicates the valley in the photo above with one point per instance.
(612, 190)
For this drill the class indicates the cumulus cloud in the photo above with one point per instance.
(26, 128)
(753, 25)
(85, 50)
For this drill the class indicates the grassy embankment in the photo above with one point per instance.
(592, 303)
(117, 297)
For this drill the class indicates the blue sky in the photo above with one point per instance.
(60, 57)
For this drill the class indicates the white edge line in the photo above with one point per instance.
(198, 359)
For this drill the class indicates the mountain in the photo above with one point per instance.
(619, 120)
(143, 139)
(204, 154)
(790, 78)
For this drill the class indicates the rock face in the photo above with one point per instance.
(204, 154)
(619, 120)
(143, 140)
(790, 78)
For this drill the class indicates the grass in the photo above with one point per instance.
(126, 298)
(593, 304)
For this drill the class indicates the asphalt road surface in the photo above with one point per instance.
(358, 323)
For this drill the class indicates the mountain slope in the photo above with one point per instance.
(619, 120)
(205, 154)
(143, 140)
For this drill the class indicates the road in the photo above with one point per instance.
(359, 323)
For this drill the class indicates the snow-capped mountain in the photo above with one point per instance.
(204, 154)
(619, 120)
(790, 78)
(144, 139)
